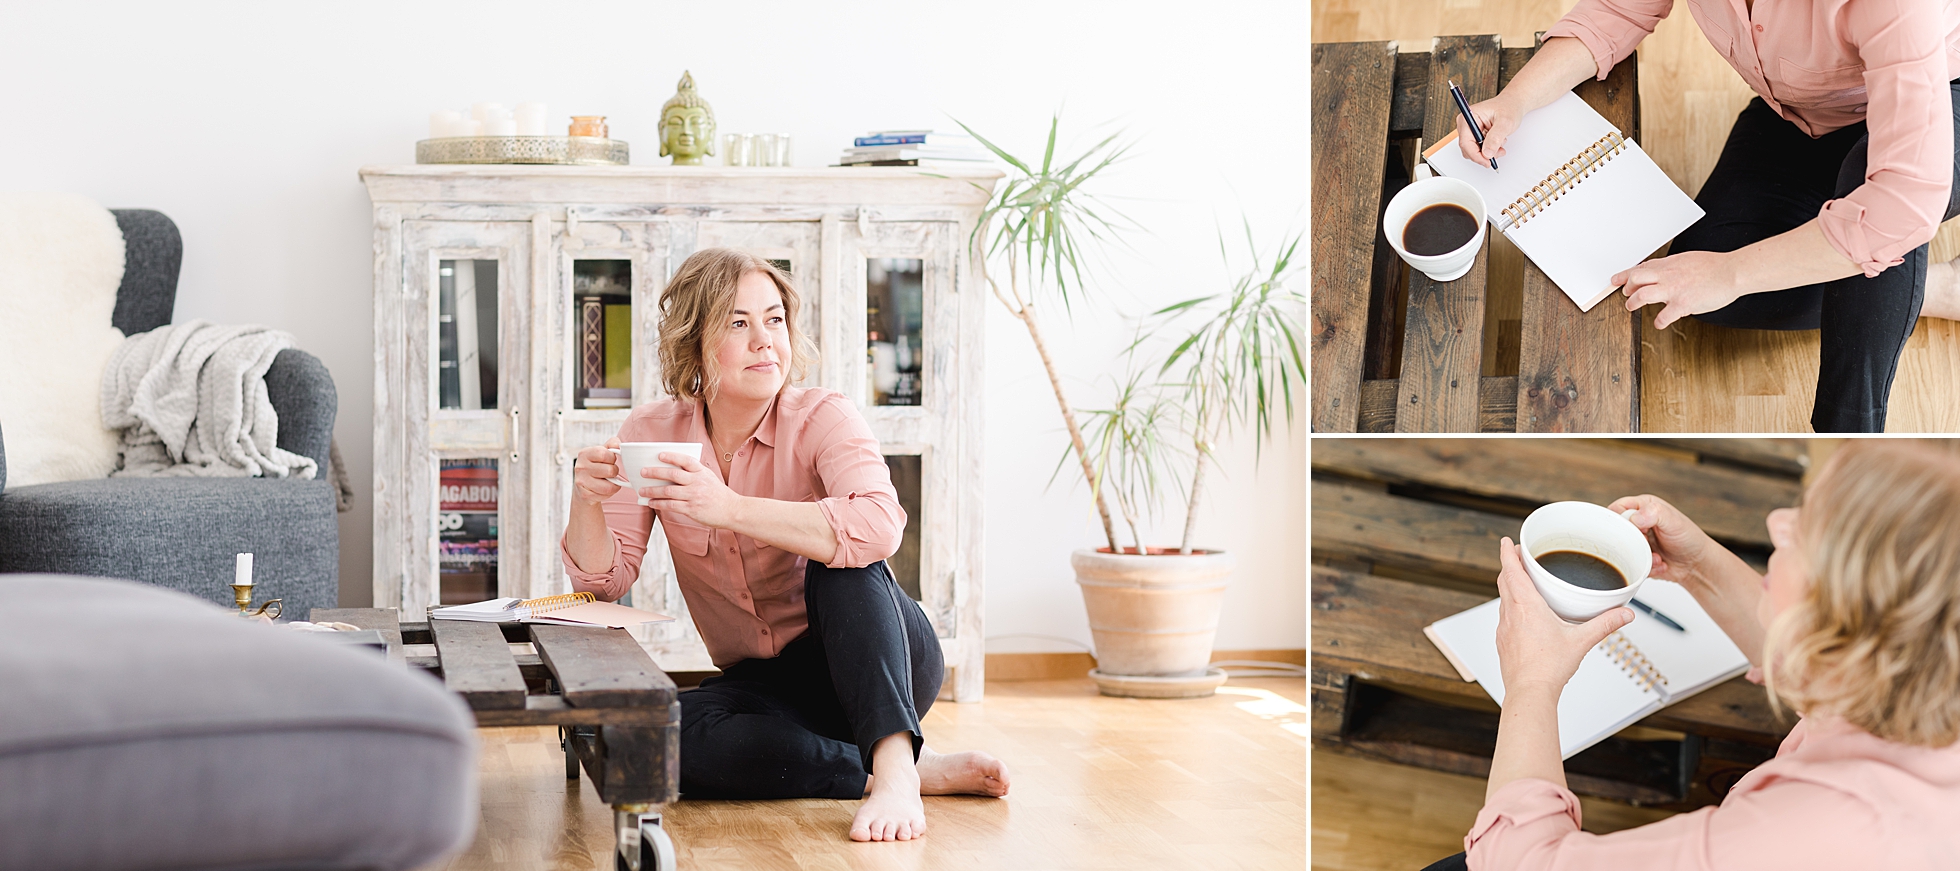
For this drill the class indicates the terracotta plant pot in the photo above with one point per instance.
(1153, 619)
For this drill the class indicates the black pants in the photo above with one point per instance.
(802, 725)
(1458, 862)
(1772, 178)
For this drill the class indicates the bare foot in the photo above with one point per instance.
(891, 810)
(1942, 291)
(968, 773)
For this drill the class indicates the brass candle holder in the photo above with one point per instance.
(241, 595)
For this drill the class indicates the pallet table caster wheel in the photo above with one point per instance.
(571, 756)
(643, 844)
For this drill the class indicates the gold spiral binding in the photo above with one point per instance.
(1633, 662)
(557, 603)
(1562, 179)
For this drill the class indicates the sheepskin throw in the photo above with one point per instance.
(190, 399)
(61, 260)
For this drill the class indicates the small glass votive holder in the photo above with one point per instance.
(763, 153)
(782, 152)
(735, 149)
(588, 125)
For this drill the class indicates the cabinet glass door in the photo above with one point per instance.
(453, 347)
(896, 329)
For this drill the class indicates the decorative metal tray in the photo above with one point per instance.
(569, 150)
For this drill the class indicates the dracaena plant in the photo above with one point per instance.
(1229, 360)
(1040, 225)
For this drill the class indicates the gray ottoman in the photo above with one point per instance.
(142, 728)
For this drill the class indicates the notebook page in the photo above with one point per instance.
(599, 614)
(1545, 140)
(1599, 700)
(1692, 661)
(1609, 221)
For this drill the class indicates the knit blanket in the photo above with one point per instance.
(190, 400)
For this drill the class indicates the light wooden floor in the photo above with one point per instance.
(1380, 816)
(1694, 377)
(1097, 783)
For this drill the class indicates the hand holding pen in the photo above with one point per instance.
(1496, 120)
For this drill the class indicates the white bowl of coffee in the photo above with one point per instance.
(1583, 558)
(1436, 224)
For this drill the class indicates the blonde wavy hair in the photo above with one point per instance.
(694, 313)
(1876, 637)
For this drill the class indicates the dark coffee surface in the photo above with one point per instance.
(1582, 570)
(1438, 229)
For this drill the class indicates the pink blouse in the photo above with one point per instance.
(1834, 797)
(746, 596)
(1824, 65)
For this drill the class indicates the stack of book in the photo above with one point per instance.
(605, 348)
(915, 148)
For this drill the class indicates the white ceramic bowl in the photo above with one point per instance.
(1587, 528)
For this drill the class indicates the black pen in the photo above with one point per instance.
(1476, 130)
(1649, 611)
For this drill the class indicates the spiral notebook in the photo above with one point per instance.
(573, 609)
(1636, 671)
(1575, 195)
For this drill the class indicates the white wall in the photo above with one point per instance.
(246, 122)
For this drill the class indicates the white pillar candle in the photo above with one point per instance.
(475, 128)
(530, 119)
(244, 572)
(499, 124)
(481, 111)
(443, 124)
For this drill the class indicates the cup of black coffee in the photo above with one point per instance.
(1436, 224)
(1583, 558)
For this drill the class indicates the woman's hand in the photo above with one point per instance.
(1688, 283)
(696, 493)
(1680, 547)
(592, 473)
(1535, 645)
(1499, 117)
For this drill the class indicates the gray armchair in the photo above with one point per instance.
(182, 533)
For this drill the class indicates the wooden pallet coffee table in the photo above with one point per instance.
(617, 712)
(1394, 351)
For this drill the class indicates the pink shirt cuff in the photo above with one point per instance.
(1601, 48)
(608, 585)
(1847, 226)
(1523, 814)
(864, 531)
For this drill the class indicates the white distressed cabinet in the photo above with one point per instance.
(478, 276)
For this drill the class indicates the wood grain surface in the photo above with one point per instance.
(1351, 85)
(1442, 345)
(477, 664)
(601, 668)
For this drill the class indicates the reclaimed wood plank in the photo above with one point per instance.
(477, 664)
(601, 668)
(1384, 529)
(1497, 404)
(633, 764)
(544, 710)
(1351, 84)
(1442, 346)
(1580, 371)
(1729, 503)
(1388, 280)
(1410, 97)
(385, 620)
(1789, 456)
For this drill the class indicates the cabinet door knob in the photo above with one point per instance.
(572, 241)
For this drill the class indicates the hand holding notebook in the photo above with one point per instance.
(1575, 195)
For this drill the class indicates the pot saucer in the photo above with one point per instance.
(1153, 687)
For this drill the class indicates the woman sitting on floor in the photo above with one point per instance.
(827, 666)
(1856, 627)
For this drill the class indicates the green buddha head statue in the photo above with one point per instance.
(687, 125)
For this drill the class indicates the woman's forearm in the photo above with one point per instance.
(1556, 68)
(797, 527)
(1730, 591)
(1527, 737)
(588, 539)
(1792, 259)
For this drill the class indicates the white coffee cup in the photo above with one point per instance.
(1589, 529)
(1430, 189)
(631, 457)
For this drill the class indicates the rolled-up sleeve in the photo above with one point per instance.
(861, 506)
(630, 524)
(1611, 28)
(1909, 167)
